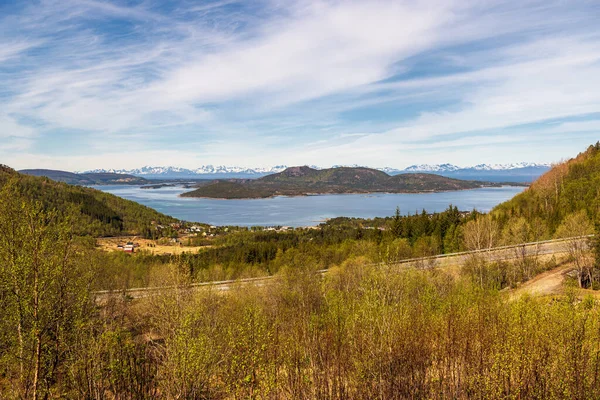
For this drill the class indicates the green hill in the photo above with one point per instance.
(94, 212)
(299, 181)
(568, 188)
(86, 178)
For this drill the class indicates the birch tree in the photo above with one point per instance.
(44, 292)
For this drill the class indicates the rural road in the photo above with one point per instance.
(546, 247)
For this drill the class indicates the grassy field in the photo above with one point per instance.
(157, 247)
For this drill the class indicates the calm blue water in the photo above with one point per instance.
(306, 210)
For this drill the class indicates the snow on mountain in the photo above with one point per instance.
(479, 167)
(202, 170)
(344, 165)
(389, 170)
(504, 167)
(236, 170)
(432, 168)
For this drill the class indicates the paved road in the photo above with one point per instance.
(546, 247)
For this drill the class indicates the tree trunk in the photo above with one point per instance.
(36, 374)
(36, 321)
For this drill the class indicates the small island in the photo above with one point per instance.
(304, 181)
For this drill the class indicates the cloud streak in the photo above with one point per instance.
(322, 82)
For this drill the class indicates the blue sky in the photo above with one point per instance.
(120, 84)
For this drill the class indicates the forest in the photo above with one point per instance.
(92, 212)
(366, 329)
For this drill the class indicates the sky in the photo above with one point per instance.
(121, 84)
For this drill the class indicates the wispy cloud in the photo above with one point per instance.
(319, 82)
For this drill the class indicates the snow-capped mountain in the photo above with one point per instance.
(342, 165)
(516, 172)
(431, 168)
(497, 167)
(202, 170)
(523, 171)
(479, 167)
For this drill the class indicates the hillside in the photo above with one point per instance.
(94, 212)
(90, 178)
(299, 181)
(567, 188)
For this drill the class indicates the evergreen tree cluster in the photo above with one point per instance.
(92, 212)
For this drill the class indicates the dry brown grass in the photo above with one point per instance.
(152, 246)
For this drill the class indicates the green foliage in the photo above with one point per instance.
(367, 329)
(86, 178)
(238, 253)
(566, 189)
(361, 332)
(44, 293)
(92, 212)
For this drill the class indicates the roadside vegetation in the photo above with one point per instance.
(367, 329)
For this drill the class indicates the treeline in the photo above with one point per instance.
(367, 329)
(244, 253)
(560, 204)
(361, 332)
(93, 213)
(248, 253)
(566, 189)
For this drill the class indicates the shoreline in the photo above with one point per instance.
(182, 195)
(320, 206)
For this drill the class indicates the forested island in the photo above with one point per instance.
(347, 313)
(302, 181)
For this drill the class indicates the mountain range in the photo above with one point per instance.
(523, 171)
(203, 170)
(479, 167)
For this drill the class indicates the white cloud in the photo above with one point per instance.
(290, 85)
(13, 49)
(14, 136)
(328, 49)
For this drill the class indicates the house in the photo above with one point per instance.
(128, 248)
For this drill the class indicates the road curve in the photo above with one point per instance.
(544, 247)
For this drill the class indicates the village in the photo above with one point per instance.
(176, 238)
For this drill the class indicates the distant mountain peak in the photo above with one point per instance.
(298, 171)
(223, 170)
(202, 170)
(478, 167)
(432, 168)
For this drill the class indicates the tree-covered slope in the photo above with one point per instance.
(93, 212)
(296, 181)
(569, 187)
(104, 178)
